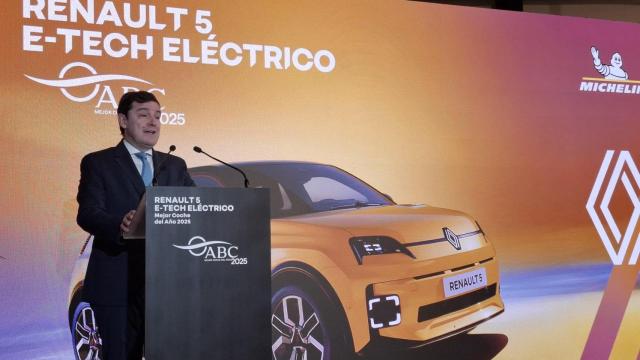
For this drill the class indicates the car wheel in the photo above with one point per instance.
(87, 344)
(303, 327)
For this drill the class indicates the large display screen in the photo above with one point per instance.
(527, 123)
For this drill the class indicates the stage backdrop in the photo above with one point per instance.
(527, 122)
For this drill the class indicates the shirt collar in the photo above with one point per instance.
(133, 150)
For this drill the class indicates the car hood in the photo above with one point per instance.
(405, 223)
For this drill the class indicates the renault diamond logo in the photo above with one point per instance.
(452, 238)
(625, 172)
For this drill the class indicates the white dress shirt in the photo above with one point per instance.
(136, 160)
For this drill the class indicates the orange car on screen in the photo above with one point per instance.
(354, 272)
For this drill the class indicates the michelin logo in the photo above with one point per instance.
(614, 78)
(610, 72)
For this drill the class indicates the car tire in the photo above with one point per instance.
(303, 326)
(87, 344)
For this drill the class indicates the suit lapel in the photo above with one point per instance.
(129, 170)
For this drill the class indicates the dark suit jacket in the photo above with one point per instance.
(110, 186)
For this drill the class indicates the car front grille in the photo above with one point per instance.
(432, 311)
(443, 272)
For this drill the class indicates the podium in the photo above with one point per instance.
(207, 274)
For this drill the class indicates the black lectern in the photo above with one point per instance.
(207, 274)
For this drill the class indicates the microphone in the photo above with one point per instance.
(200, 151)
(154, 182)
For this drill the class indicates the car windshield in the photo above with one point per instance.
(297, 188)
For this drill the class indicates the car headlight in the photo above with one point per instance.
(384, 311)
(376, 245)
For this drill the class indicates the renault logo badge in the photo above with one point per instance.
(452, 238)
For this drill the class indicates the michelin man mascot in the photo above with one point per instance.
(610, 72)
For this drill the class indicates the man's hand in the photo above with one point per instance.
(596, 58)
(126, 222)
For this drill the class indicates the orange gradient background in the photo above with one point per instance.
(469, 109)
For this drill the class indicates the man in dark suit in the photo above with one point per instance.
(112, 182)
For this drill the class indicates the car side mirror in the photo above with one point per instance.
(388, 197)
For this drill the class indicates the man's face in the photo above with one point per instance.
(142, 124)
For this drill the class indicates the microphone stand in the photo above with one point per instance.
(200, 151)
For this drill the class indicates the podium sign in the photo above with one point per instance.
(207, 274)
